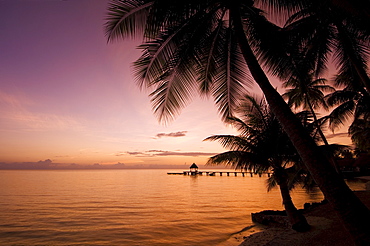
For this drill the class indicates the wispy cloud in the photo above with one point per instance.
(155, 153)
(41, 121)
(172, 134)
(15, 113)
(13, 101)
(136, 153)
(336, 135)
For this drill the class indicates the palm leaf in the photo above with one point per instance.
(239, 160)
(231, 142)
(341, 114)
(230, 81)
(126, 18)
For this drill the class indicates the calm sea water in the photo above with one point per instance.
(130, 207)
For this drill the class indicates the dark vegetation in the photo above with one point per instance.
(218, 48)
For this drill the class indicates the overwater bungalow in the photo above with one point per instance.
(194, 169)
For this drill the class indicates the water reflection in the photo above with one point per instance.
(131, 207)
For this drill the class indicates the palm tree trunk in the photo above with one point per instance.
(323, 138)
(295, 217)
(353, 213)
(331, 157)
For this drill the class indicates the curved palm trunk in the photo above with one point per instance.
(316, 123)
(296, 218)
(353, 213)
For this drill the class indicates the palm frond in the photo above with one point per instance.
(245, 130)
(126, 18)
(360, 134)
(341, 114)
(231, 142)
(229, 83)
(173, 94)
(254, 110)
(350, 50)
(271, 183)
(362, 110)
(334, 149)
(207, 66)
(241, 160)
(269, 43)
(341, 96)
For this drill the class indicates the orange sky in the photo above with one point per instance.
(68, 96)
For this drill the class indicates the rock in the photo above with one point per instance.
(271, 218)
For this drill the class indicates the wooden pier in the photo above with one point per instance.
(220, 173)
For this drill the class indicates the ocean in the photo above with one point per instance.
(132, 207)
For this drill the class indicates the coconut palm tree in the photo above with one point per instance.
(308, 94)
(324, 28)
(262, 146)
(360, 134)
(352, 104)
(205, 46)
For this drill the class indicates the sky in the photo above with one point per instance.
(68, 96)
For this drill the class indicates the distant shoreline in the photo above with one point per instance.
(44, 165)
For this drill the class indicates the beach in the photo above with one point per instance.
(326, 230)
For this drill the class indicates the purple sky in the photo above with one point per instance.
(68, 96)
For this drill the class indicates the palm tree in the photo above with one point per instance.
(308, 94)
(352, 103)
(360, 134)
(326, 27)
(262, 146)
(203, 46)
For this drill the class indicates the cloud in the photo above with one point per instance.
(155, 153)
(335, 135)
(62, 156)
(40, 121)
(193, 154)
(131, 153)
(49, 165)
(172, 134)
(46, 164)
(16, 114)
(12, 101)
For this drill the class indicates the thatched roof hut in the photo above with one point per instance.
(193, 167)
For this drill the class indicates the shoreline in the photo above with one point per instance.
(279, 236)
(239, 237)
(326, 230)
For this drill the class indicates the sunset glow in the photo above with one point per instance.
(68, 96)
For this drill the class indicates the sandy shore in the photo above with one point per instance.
(326, 230)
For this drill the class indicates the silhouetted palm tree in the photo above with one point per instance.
(325, 27)
(203, 46)
(360, 134)
(352, 105)
(352, 102)
(308, 94)
(262, 146)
